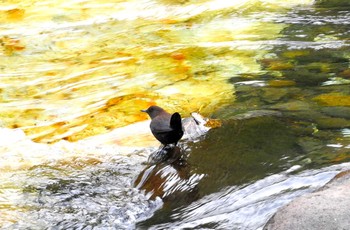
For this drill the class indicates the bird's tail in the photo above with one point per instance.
(175, 121)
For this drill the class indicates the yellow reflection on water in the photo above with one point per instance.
(76, 69)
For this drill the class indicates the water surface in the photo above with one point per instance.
(73, 78)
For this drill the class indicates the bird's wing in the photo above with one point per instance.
(161, 125)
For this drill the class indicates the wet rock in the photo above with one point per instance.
(335, 3)
(167, 154)
(309, 144)
(332, 123)
(327, 208)
(292, 106)
(245, 91)
(256, 113)
(305, 115)
(325, 134)
(281, 83)
(272, 95)
(341, 112)
(194, 126)
(308, 76)
(345, 73)
(333, 99)
(303, 128)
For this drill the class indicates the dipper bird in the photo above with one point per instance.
(165, 127)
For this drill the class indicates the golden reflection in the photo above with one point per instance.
(74, 69)
(71, 69)
(86, 68)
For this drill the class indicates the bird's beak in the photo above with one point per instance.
(144, 110)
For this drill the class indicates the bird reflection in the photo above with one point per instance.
(168, 176)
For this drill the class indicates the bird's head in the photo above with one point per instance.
(153, 111)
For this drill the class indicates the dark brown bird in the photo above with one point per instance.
(166, 127)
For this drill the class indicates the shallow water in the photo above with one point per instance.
(73, 78)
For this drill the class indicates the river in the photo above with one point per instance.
(273, 77)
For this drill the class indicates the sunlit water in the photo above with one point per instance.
(74, 76)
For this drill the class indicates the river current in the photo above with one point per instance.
(272, 76)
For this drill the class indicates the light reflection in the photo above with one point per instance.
(336, 81)
(253, 204)
(82, 56)
(335, 145)
(169, 178)
(95, 54)
(346, 132)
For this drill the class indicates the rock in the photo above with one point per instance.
(195, 126)
(256, 113)
(167, 154)
(341, 112)
(305, 115)
(272, 95)
(345, 73)
(336, 3)
(327, 208)
(307, 75)
(292, 106)
(281, 83)
(309, 144)
(332, 123)
(333, 99)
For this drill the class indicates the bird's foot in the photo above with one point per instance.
(164, 154)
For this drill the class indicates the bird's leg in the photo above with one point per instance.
(166, 148)
(162, 147)
(158, 156)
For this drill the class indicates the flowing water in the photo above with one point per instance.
(272, 75)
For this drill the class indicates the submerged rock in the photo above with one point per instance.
(341, 112)
(333, 99)
(292, 106)
(309, 144)
(332, 123)
(257, 113)
(272, 95)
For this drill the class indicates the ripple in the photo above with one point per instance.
(250, 206)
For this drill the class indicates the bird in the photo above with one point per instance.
(165, 127)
